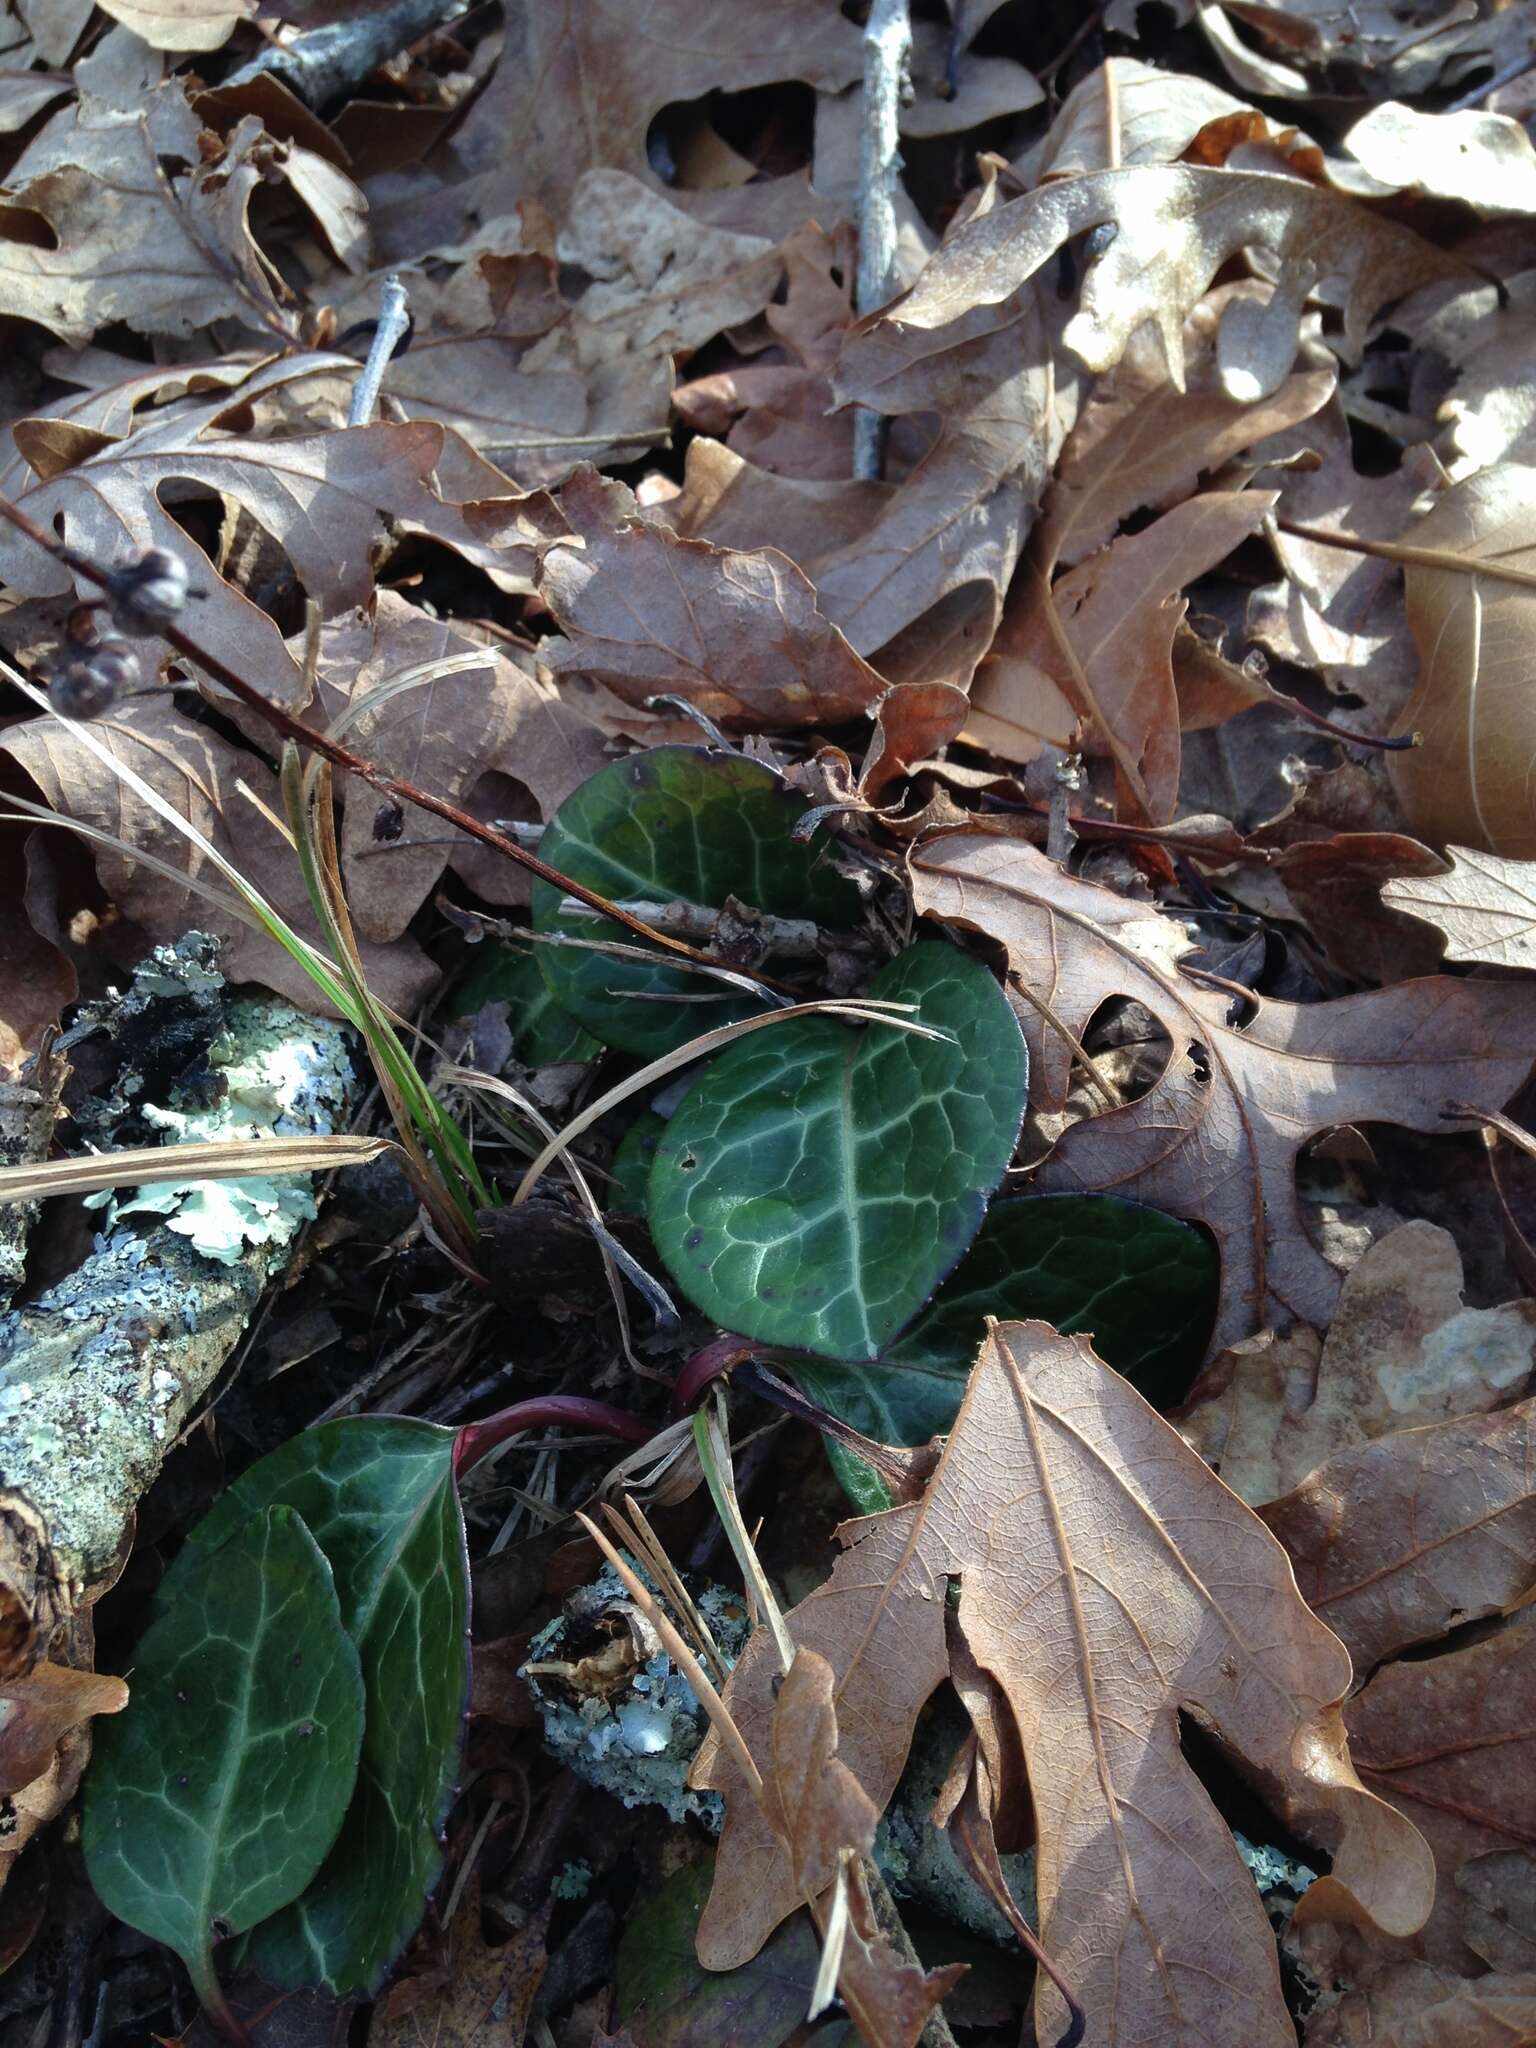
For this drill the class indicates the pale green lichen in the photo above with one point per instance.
(638, 1742)
(100, 1373)
(282, 1074)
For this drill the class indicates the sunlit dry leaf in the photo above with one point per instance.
(1160, 114)
(912, 722)
(1485, 907)
(740, 635)
(1470, 782)
(1215, 1140)
(737, 505)
(1401, 1350)
(195, 771)
(1074, 1518)
(181, 24)
(1400, 1540)
(1174, 230)
(1485, 160)
(660, 281)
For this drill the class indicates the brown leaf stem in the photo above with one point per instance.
(340, 756)
(1410, 556)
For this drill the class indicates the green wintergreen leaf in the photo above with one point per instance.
(675, 825)
(818, 1181)
(377, 1493)
(542, 1033)
(1142, 1284)
(216, 1794)
(631, 1168)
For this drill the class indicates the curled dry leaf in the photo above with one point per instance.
(1485, 907)
(1400, 1540)
(37, 1711)
(1401, 1350)
(1119, 611)
(1215, 1139)
(181, 24)
(929, 573)
(740, 635)
(1448, 1740)
(321, 497)
(1475, 705)
(102, 185)
(826, 1821)
(1333, 610)
(1066, 1507)
(1160, 114)
(1174, 228)
(199, 774)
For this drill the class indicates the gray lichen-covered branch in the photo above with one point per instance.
(99, 1375)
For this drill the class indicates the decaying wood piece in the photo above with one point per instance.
(100, 1374)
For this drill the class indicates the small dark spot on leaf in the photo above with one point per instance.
(1200, 1060)
(296, 1659)
(306, 1729)
(687, 1162)
(182, 1778)
(388, 824)
(693, 1240)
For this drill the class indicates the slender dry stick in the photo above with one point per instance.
(887, 46)
(1111, 118)
(283, 721)
(1101, 1082)
(1410, 556)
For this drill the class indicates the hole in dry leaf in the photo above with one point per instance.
(727, 138)
(21, 224)
(1129, 1047)
(1239, 1802)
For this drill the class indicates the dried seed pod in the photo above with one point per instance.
(91, 681)
(148, 595)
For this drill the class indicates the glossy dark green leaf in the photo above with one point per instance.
(631, 1168)
(1141, 1284)
(216, 1794)
(542, 1033)
(377, 1492)
(666, 2000)
(675, 824)
(820, 1178)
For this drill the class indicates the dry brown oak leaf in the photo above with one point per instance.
(1175, 227)
(1451, 1742)
(1215, 1139)
(324, 497)
(1397, 1541)
(1402, 1350)
(1485, 906)
(1108, 1582)
(579, 82)
(739, 635)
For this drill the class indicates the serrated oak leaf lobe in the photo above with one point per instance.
(1108, 1582)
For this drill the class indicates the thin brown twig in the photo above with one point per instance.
(283, 721)
(1408, 555)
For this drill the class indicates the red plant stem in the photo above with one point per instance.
(476, 1440)
(720, 1355)
(342, 757)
